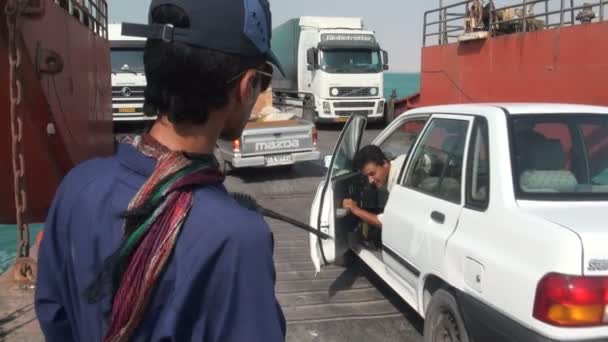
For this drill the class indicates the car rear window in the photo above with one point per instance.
(560, 156)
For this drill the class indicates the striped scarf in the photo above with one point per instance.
(150, 237)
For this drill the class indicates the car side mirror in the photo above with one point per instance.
(385, 59)
(311, 59)
(327, 161)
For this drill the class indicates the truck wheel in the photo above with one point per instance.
(389, 116)
(387, 119)
(443, 321)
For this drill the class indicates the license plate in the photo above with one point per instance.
(279, 160)
(342, 119)
(126, 110)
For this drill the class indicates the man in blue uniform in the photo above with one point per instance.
(147, 245)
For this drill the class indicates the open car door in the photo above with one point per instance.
(340, 182)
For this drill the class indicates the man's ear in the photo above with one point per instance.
(246, 85)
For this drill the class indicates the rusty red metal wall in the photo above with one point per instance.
(77, 102)
(567, 65)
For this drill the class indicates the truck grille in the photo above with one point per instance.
(353, 112)
(354, 104)
(126, 92)
(355, 91)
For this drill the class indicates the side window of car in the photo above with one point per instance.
(438, 161)
(401, 140)
(478, 167)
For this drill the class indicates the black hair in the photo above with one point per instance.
(186, 82)
(369, 154)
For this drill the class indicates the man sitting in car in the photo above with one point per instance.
(381, 173)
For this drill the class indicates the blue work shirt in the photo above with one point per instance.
(218, 284)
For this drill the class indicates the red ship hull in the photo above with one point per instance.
(560, 65)
(67, 116)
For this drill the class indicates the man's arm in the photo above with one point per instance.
(363, 215)
(50, 307)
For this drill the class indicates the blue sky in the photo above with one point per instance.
(398, 23)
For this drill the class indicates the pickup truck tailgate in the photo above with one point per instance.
(277, 137)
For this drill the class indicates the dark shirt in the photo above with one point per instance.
(218, 284)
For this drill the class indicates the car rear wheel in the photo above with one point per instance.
(443, 322)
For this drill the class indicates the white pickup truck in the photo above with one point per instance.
(270, 144)
(496, 229)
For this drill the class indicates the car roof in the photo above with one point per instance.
(484, 109)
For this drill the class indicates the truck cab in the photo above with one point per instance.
(334, 65)
(128, 77)
(495, 228)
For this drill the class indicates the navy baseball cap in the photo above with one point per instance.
(241, 27)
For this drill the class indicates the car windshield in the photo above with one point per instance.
(561, 156)
(351, 61)
(127, 60)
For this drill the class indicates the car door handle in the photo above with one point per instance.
(438, 217)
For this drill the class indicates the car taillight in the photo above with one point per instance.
(236, 145)
(315, 137)
(571, 301)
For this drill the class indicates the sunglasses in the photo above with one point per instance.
(265, 75)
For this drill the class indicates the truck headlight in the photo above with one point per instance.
(334, 92)
(326, 108)
(381, 107)
(373, 91)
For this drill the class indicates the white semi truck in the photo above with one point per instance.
(334, 68)
(128, 77)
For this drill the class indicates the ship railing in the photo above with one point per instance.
(443, 22)
(90, 13)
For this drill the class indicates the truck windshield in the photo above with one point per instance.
(560, 157)
(127, 60)
(351, 61)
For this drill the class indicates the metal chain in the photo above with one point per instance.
(23, 268)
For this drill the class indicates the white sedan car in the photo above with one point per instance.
(497, 226)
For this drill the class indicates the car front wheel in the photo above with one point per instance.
(443, 322)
